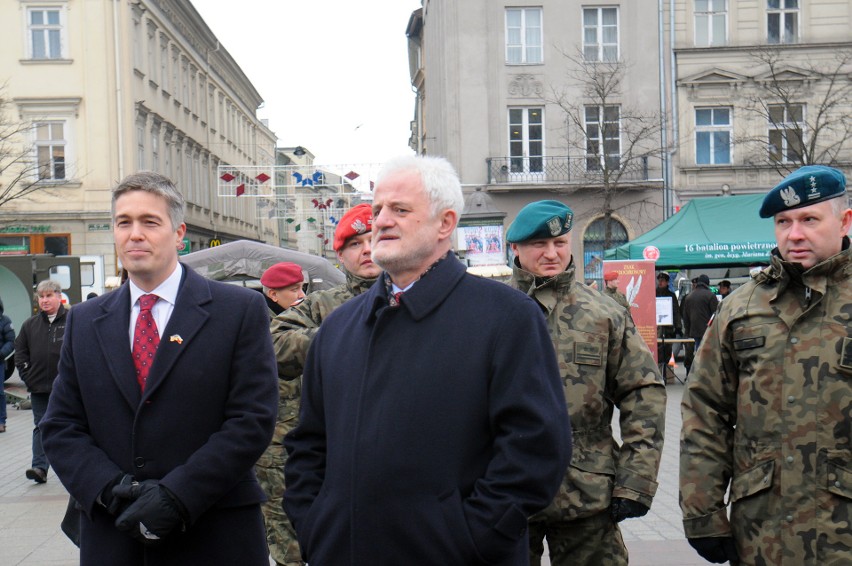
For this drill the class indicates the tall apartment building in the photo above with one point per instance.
(546, 99)
(763, 86)
(111, 87)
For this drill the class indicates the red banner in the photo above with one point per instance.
(637, 281)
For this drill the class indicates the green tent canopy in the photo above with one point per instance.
(707, 232)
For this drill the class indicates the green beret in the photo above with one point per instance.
(803, 187)
(542, 219)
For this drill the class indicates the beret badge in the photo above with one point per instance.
(790, 197)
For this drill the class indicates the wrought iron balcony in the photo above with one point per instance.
(574, 170)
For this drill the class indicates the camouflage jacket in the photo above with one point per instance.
(293, 329)
(292, 332)
(618, 297)
(767, 414)
(604, 363)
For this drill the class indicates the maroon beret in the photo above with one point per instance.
(357, 220)
(282, 275)
(611, 276)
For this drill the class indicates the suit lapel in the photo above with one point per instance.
(187, 319)
(112, 330)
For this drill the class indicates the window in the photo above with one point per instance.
(523, 36)
(46, 32)
(712, 136)
(600, 34)
(603, 137)
(782, 21)
(785, 132)
(155, 148)
(526, 140)
(711, 22)
(164, 62)
(140, 143)
(50, 150)
(152, 52)
(594, 244)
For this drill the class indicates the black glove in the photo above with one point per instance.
(621, 509)
(153, 516)
(115, 505)
(716, 549)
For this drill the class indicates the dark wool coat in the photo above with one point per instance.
(205, 417)
(428, 432)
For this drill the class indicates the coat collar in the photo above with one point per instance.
(545, 291)
(424, 297)
(112, 327)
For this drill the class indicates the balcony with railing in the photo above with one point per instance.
(565, 170)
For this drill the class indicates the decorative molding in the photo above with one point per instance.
(525, 86)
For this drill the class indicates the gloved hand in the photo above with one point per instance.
(156, 514)
(716, 549)
(621, 509)
(115, 505)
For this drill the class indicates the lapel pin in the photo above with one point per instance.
(176, 338)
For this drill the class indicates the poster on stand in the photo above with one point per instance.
(637, 282)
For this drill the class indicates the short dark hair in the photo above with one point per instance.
(724, 283)
(663, 275)
(157, 184)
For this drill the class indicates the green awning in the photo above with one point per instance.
(706, 232)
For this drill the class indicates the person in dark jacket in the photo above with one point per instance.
(7, 346)
(664, 351)
(426, 435)
(37, 358)
(697, 310)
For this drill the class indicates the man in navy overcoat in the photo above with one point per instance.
(160, 458)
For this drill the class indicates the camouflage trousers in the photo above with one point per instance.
(593, 541)
(280, 535)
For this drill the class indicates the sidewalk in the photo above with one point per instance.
(30, 513)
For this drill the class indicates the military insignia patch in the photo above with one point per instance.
(846, 354)
(790, 197)
(587, 354)
(359, 226)
(554, 225)
(814, 192)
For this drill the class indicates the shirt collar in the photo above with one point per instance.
(167, 290)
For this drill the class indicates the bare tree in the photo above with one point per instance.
(19, 170)
(617, 139)
(805, 110)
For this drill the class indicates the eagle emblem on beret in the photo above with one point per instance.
(359, 227)
(790, 197)
(554, 225)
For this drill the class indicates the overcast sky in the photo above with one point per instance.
(333, 73)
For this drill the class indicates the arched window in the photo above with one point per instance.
(593, 247)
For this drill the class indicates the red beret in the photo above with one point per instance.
(611, 276)
(282, 275)
(357, 220)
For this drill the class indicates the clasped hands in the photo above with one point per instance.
(146, 510)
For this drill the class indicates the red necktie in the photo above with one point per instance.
(145, 339)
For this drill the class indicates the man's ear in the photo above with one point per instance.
(449, 220)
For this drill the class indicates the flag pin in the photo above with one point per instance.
(176, 338)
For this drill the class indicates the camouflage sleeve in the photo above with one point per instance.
(706, 443)
(640, 395)
(292, 332)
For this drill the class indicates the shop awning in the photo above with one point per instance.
(706, 232)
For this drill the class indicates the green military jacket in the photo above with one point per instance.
(604, 363)
(768, 415)
(292, 332)
(618, 297)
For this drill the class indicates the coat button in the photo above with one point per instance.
(789, 459)
(139, 462)
(791, 399)
(789, 518)
(837, 484)
(794, 340)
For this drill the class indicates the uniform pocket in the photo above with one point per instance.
(839, 480)
(752, 481)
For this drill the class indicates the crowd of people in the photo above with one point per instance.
(429, 416)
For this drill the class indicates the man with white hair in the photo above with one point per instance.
(426, 435)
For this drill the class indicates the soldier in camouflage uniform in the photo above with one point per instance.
(611, 289)
(292, 332)
(282, 288)
(604, 363)
(768, 414)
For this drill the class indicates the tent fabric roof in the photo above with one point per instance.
(245, 259)
(707, 232)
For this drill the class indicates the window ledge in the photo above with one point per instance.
(62, 184)
(45, 61)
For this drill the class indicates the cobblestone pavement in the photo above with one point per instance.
(30, 513)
